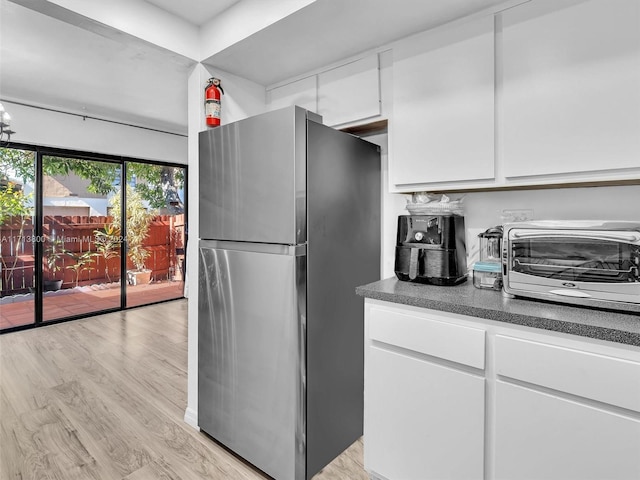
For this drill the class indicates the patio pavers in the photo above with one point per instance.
(86, 300)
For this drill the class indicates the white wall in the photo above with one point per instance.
(52, 129)
(242, 98)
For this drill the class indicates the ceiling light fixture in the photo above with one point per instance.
(5, 126)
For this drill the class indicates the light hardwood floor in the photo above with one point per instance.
(104, 398)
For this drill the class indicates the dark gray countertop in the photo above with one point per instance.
(465, 299)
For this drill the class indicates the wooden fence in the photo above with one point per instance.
(165, 242)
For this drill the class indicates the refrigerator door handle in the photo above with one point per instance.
(272, 248)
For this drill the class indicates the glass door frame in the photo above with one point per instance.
(38, 218)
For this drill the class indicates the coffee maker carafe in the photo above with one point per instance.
(431, 249)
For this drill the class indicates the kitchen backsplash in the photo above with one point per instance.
(486, 209)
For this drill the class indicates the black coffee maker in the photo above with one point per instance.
(431, 249)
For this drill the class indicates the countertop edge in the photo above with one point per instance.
(533, 321)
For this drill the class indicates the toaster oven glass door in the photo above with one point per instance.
(572, 256)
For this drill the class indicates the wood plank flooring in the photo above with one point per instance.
(104, 398)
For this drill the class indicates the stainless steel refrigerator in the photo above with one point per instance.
(289, 226)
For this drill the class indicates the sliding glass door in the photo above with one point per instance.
(155, 233)
(81, 237)
(17, 238)
(85, 233)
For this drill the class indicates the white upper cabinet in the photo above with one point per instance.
(301, 92)
(442, 128)
(344, 94)
(571, 89)
(350, 92)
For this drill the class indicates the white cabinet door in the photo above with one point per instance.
(350, 92)
(442, 128)
(301, 92)
(541, 436)
(571, 95)
(422, 420)
(347, 93)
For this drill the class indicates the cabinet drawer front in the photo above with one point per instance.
(427, 335)
(606, 379)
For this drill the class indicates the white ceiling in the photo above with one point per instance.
(45, 61)
(50, 62)
(197, 12)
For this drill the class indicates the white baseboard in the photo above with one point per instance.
(191, 418)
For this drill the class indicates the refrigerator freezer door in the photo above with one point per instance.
(251, 383)
(252, 179)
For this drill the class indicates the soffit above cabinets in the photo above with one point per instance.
(327, 31)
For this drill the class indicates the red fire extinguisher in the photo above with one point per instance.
(212, 106)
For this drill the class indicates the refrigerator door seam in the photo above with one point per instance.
(272, 248)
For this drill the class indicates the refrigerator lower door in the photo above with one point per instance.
(251, 341)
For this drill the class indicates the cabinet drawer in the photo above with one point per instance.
(606, 379)
(425, 334)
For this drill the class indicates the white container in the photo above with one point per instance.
(487, 275)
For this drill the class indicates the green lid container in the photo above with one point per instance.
(487, 267)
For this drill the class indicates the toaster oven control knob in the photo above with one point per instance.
(418, 236)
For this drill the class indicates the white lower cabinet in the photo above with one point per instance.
(422, 418)
(450, 396)
(544, 436)
(424, 396)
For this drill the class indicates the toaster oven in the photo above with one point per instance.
(591, 263)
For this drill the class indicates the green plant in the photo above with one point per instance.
(13, 203)
(157, 184)
(138, 255)
(138, 223)
(82, 261)
(53, 253)
(107, 243)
